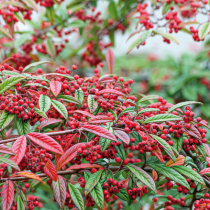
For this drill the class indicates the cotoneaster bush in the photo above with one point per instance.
(119, 147)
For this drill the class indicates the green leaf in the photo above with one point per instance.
(203, 30)
(147, 98)
(10, 82)
(5, 32)
(60, 108)
(92, 104)
(23, 127)
(21, 40)
(148, 110)
(202, 150)
(44, 103)
(166, 146)
(35, 64)
(50, 13)
(182, 104)
(19, 16)
(32, 4)
(190, 92)
(36, 84)
(145, 35)
(134, 44)
(178, 143)
(123, 194)
(170, 37)
(128, 109)
(77, 24)
(162, 118)
(20, 204)
(50, 48)
(76, 197)
(97, 195)
(170, 173)
(104, 143)
(92, 181)
(143, 176)
(5, 119)
(79, 96)
(189, 173)
(166, 8)
(113, 10)
(137, 137)
(69, 99)
(40, 112)
(10, 163)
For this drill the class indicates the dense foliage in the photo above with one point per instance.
(89, 142)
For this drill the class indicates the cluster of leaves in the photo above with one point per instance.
(58, 20)
(119, 146)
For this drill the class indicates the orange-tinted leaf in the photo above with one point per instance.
(205, 171)
(154, 175)
(122, 136)
(104, 206)
(99, 131)
(50, 171)
(27, 174)
(100, 119)
(46, 142)
(6, 150)
(112, 91)
(59, 190)
(179, 161)
(55, 87)
(125, 183)
(7, 195)
(83, 166)
(158, 154)
(47, 122)
(19, 147)
(68, 155)
(208, 159)
(110, 60)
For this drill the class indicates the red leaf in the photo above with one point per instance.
(68, 139)
(158, 154)
(33, 93)
(7, 195)
(27, 174)
(84, 113)
(204, 171)
(122, 136)
(207, 149)
(19, 147)
(50, 171)
(99, 119)
(99, 131)
(111, 91)
(193, 132)
(83, 166)
(208, 159)
(68, 155)
(46, 142)
(6, 150)
(55, 87)
(47, 122)
(59, 189)
(110, 60)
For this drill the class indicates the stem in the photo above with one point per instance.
(193, 198)
(43, 175)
